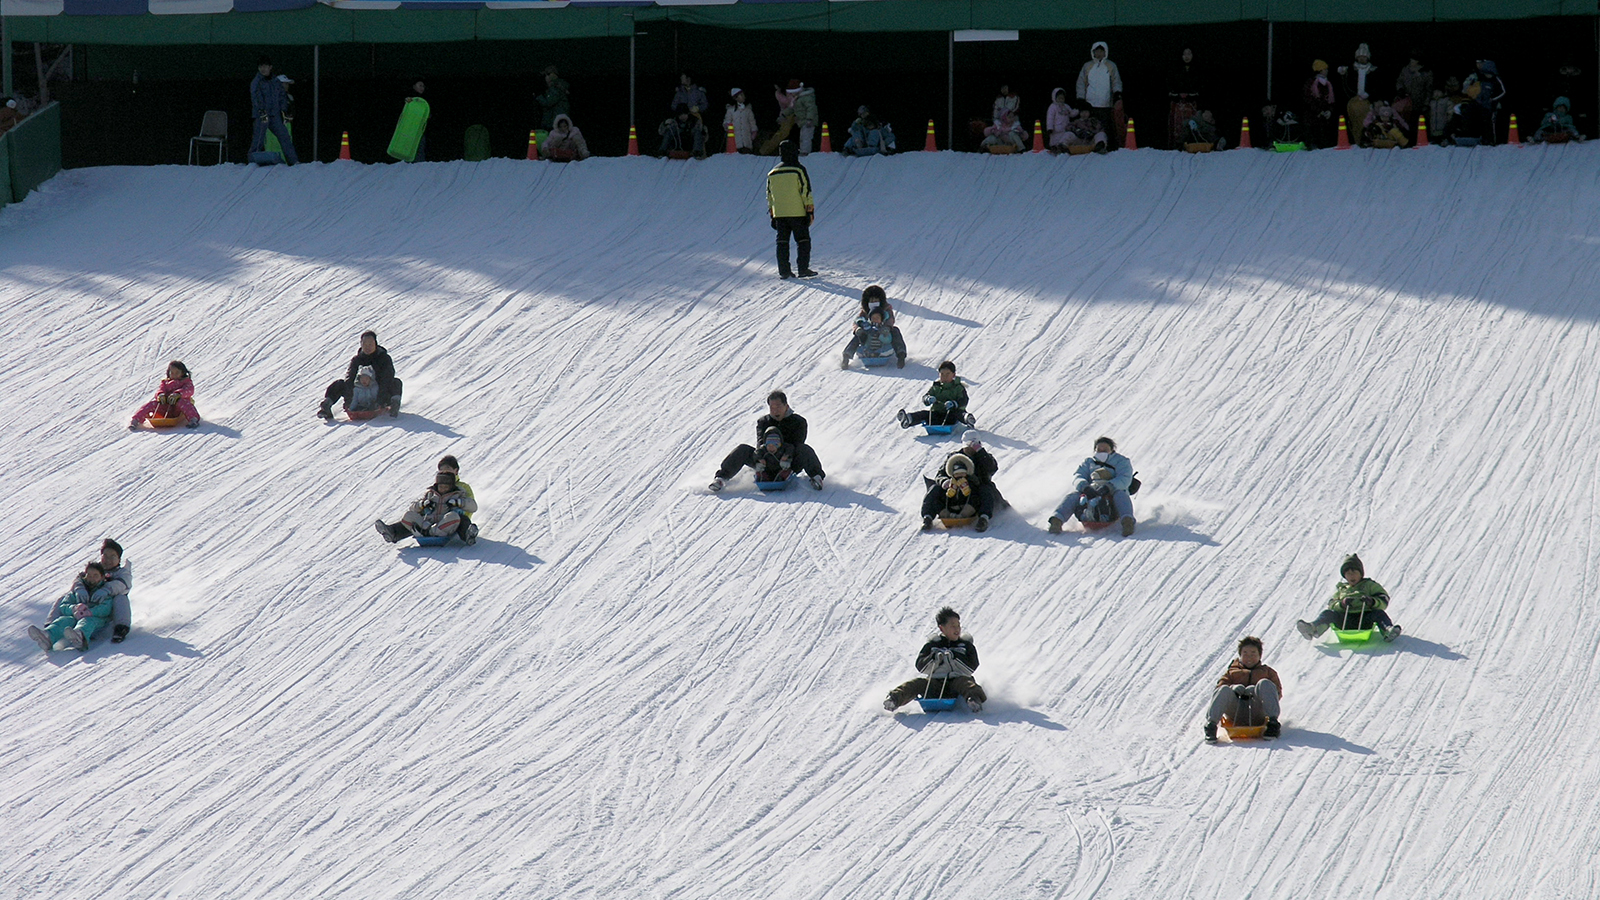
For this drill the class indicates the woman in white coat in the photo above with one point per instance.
(1100, 83)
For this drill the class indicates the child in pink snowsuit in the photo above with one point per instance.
(175, 390)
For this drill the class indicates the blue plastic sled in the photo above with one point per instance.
(939, 429)
(432, 540)
(768, 487)
(937, 704)
(873, 362)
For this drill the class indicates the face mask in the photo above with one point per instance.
(1101, 457)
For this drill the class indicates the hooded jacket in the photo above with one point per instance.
(571, 141)
(1360, 597)
(963, 653)
(1099, 81)
(805, 107)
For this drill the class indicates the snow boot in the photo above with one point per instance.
(816, 482)
(394, 408)
(325, 411)
(716, 484)
(470, 535)
(899, 362)
(1390, 633)
(119, 634)
(1309, 631)
(1210, 730)
(75, 639)
(927, 523)
(1274, 728)
(1128, 524)
(807, 273)
(889, 705)
(391, 533)
(1055, 524)
(192, 423)
(969, 419)
(983, 524)
(40, 638)
(975, 704)
(845, 364)
(903, 419)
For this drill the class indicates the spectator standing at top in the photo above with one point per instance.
(1183, 98)
(689, 96)
(1322, 128)
(1360, 81)
(805, 114)
(1413, 90)
(1100, 82)
(740, 121)
(556, 99)
(791, 209)
(269, 97)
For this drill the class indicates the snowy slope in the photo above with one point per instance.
(634, 688)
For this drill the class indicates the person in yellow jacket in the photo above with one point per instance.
(790, 207)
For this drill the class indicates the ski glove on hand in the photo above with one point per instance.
(927, 400)
(81, 611)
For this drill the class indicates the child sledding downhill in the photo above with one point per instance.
(946, 401)
(774, 459)
(1357, 604)
(364, 394)
(957, 494)
(946, 662)
(875, 334)
(80, 612)
(174, 399)
(443, 512)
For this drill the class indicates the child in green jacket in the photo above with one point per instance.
(946, 401)
(1358, 602)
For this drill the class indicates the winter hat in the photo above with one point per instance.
(366, 372)
(1318, 65)
(795, 85)
(445, 479)
(1102, 474)
(1361, 50)
(789, 153)
(735, 92)
(972, 437)
(862, 111)
(11, 103)
(286, 79)
(109, 544)
(772, 435)
(958, 464)
(1352, 562)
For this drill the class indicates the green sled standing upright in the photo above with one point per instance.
(408, 131)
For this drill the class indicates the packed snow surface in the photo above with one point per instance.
(632, 687)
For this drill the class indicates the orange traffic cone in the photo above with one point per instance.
(1515, 140)
(533, 145)
(1344, 136)
(1422, 131)
(633, 141)
(732, 147)
(930, 146)
(1130, 143)
(1038, 136)
(827, 142)
(1244, 135)
(344, 146)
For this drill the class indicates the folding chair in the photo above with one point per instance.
(213, 130)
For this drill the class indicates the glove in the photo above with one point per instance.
(774, 222)
(453, 502)
(1244, 690)
(81, 611)
(429, 504)
(950, 404)
(783, 463)
(927, 400)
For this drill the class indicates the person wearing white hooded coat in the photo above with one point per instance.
(1100, 82)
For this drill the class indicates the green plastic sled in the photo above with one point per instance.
(477, 145)
(408, 131)
(272, 145)
(1354, 635)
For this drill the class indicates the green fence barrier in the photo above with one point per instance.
(34, 151)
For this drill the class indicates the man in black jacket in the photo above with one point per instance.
(378, 358)
(947, 663)
(792, 426)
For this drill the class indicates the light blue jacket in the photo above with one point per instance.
(1116, 462)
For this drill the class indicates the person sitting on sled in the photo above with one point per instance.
(80, 612)
(792, 426)
(946, 662)
(946, 401)
(874, 300)
(1086, 489)
(444, 511)
(364, 394)
(1248, 686)
(119, 580)
(1357, 603)
(955, 494)
(175, 394)
(371, 354)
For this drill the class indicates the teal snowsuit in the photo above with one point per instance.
(98, 601)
